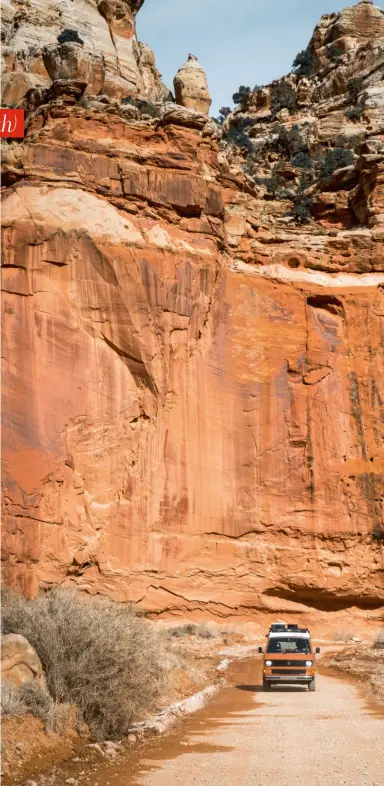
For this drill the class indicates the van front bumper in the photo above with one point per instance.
(289, 678)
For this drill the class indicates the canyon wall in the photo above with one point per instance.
(193, 370)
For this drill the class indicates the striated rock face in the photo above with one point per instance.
(191, 86)
(193, 370)
(109, 56)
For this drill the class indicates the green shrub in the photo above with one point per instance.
(355, 87)
(223, 113)
(236, 135)
(69, 36)
(145, 107)
(304, 62)
(378, 643)
(302, 161)
(302, 210)
(271, 183)
(290, 141)
(354, 112)
(338, 158)
(241, 93)
(334, 53)
(98, 655)
(283, 96)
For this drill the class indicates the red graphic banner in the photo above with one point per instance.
(11, 123)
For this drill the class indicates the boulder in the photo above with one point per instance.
(72, 61)
(16, 84)
(191, 86)
(181, 116)
(20, 661)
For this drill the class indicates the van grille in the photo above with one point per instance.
(288, 672)
(288, 663)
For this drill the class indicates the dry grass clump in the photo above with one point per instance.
(203, 630)
(344, 635)
(31, 699)
(378, 643)
(98, 655)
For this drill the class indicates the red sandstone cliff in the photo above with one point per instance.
(193, 378)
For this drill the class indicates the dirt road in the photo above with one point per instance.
(286, 737)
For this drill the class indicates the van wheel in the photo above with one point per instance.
(266, 685)
(312, 685)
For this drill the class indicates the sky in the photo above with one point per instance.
(238, 42)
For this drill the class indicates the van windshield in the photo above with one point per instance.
(289, 644)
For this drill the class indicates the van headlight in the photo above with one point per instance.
(308, 663)
(268, 663)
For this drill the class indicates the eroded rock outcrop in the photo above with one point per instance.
(109, 56)
(193, 369)
(191, 86)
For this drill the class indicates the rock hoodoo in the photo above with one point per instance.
(191, 86)
(193, 375)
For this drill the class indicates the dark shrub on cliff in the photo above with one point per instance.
(239, 96)
(223, 113)
(338, 158)
(236, 134)
(145, 107)
(289, 141)
(303, 63)
(283, 96)
(355, 87)
(354, 112)
(302, 161)
(69, 36)
(99, 655)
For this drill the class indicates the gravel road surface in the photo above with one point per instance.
(286, 737)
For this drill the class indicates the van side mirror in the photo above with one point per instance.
(317, 650)
(260, 649)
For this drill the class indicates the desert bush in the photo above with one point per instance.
(271, 183)
(302, 161)
(283, 96)
(207, 630)
(68, 36)
(334, 53)
(180, 631)
(354, 112)
(355, 86)
(236, 135)
(302, 210)
(203, 630)
(241, 93)
(99, 655)
(145, 107)
(29, 697)
(290, 141)
(343, 635)
(378, 643)
(337, 158)
(223, 113)
(11, 700)
(303, 63)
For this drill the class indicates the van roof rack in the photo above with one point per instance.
(282, 627)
